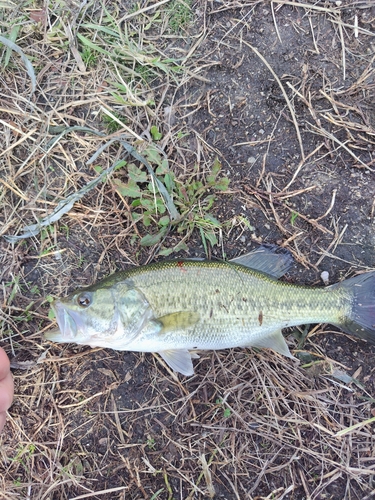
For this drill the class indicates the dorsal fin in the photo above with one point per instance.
(270, 259)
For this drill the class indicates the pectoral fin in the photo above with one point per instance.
(178, 321)
(179, 360)
(274, 340)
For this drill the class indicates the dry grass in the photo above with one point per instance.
(99, 424)
(254, 419)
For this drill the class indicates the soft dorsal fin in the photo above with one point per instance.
(270, 259)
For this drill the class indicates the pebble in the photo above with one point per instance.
(325, 277)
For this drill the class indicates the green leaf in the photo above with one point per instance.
(178, 248)
(156, 135)
(227, 413)
(12, 37)
(136, 174)
(160, 206)
(97, 27)
(136, 203)
(162, 189)
(146, 220)
(152, 239)
(222, 184)
(136, 216)
(29, 67)
(89, 43)
(203, 238)
(169, 182)
(131, 189)
(163, 168)
(195, 186)
(293, 218)
(155, 495)
(148, 204)
(164, 221)
(216, 167)
(120, 164)
(208, 202)
(153, 155)
(211, 237)
(212, 220)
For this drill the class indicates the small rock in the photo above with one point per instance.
(325, 277)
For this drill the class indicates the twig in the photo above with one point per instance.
(330, 207)
(325, 133)
(274, 22)
(342, 49)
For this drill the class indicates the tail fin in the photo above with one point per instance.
(361, 320)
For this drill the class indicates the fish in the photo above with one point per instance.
(178, 307)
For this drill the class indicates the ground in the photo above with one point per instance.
(259, 119)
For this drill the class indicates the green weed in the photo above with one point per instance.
(180, 15)
(24, 454)
(226, 411)
(150, 443)
(46, 232)
(156, 495)
(126, 95)
(35, 290)
(65, 229)
(89, 57)
(293, 218)
(156, 135)
(51, 313)
(112, 125)
(123, 50)
(193, 198)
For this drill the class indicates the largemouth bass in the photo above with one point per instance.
(177, 307)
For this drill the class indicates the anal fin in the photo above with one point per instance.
(274, 340)
(179, 360)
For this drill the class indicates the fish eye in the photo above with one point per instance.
(84, 299)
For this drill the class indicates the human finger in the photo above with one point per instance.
(4, 364)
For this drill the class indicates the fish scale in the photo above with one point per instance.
(227, 304)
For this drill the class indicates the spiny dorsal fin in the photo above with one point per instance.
(270, 259)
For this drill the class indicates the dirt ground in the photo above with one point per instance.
(279, 97)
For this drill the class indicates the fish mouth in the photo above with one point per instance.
(68, 327)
